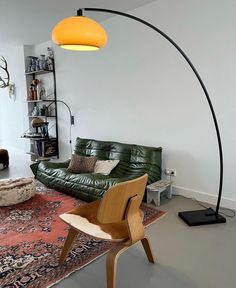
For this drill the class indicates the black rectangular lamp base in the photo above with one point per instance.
(201, 217)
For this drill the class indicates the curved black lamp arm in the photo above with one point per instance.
(79, 12)
(72, 120)
(71, 117)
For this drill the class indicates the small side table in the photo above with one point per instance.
(155, 189)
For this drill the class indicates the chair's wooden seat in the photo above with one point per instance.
(85, 219)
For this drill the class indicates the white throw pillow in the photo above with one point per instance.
(105, 166)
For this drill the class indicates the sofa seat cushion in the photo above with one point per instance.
(86, 186)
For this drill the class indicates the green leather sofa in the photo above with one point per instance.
(135, 160)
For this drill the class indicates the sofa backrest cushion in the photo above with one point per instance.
(134, 159)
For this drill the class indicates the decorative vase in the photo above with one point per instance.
(38, 90)
(44, 129)
(43, 62)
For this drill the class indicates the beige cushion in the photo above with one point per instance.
(105, 166)
(81, 164)
(16, 191)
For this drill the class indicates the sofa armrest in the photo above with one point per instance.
(34, 168)
(53, 165)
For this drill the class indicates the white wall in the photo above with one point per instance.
(138, 89)
(12, 113)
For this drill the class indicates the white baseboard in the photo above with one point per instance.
(204, 197)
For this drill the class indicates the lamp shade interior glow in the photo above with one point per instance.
(79, 47)
(79, 33)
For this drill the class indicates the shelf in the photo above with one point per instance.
(39, 72)
(43, 100)
(31, 153)
(38, 158)
(33, 101)
(30, 116)
(36, 139)
(39, 138)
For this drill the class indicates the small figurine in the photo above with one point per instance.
(31, 92)
(35, 111)
(42, 93)
(50, 53)
(50, 58)
(36, 87)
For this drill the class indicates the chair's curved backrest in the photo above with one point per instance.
(114, 203)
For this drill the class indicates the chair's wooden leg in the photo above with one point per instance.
(148, 250)
(112, 258)
(69, 241)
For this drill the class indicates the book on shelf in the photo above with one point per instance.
(38, 148)
(46, 148)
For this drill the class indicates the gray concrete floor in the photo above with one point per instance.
(187, 257)
(18, 166)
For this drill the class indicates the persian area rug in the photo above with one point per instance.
(32, 236)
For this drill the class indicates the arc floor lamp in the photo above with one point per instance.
(84, 34)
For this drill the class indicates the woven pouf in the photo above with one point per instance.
(16, 191)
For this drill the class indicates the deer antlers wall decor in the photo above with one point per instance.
(4, 81)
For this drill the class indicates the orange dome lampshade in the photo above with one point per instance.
(79, 33)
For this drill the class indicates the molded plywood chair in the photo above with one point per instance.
(116, 217)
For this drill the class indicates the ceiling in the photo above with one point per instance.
(31, 21)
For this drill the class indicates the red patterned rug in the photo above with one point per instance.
(32, 236)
